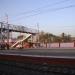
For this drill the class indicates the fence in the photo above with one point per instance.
(58, 45)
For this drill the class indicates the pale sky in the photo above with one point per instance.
(46, 13)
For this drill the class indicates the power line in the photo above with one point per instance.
(51, 10)
(43, 7)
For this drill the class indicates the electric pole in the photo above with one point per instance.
(1, 32)
(7, 29)
(38, 32)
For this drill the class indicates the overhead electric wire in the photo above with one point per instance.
(50, 10)
(43, 7)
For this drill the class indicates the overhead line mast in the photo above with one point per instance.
(7, 29)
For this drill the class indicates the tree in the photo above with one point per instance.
(46, 37)
(65, 37)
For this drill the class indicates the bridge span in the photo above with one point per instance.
(16, 28)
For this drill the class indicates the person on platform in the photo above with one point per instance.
(2, 45)
(7, 46)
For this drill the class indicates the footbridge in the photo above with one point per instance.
(16, 28)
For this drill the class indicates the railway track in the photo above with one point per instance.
(15, 68)
(39, 62)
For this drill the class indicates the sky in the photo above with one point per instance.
(54, 16)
